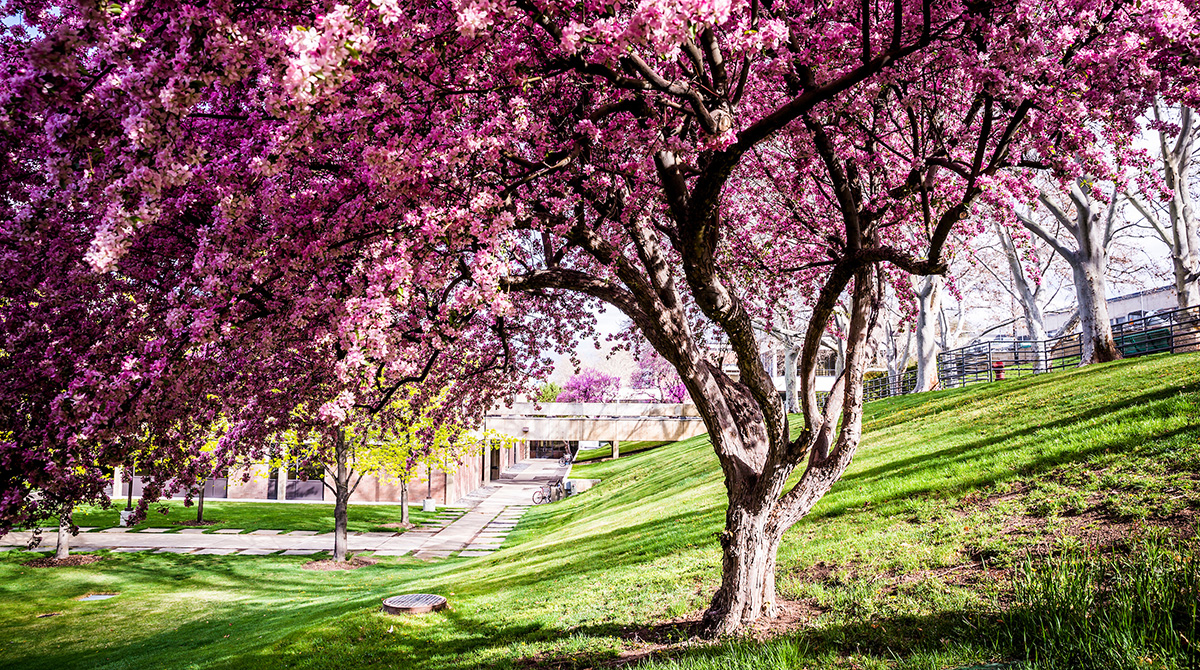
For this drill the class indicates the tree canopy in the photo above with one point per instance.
(213, 209)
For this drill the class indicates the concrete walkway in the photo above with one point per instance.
(474, 526)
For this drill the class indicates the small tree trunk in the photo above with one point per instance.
(63, 550)
(341, 498)
(929, 298)
(1097, 340)
(404, 501)
(200, 505)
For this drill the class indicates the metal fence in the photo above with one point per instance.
(1167, 332)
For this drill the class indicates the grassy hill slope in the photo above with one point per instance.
(898, 566)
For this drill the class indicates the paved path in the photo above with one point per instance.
(474, 526)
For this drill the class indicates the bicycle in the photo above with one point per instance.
(565, 460)
(549, 493)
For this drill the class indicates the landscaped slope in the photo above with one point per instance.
(887, 568)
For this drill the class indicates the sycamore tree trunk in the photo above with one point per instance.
(1096, 331)
(1181, 231)
(1092, 229)
(928, 291)
(1026, 293)
(789, 380)
(63, 549)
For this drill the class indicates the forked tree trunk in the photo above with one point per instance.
(1026, 293)
(1092, 228)
(63, 549)
(759, 511)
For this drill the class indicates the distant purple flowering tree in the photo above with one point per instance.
(590, 385)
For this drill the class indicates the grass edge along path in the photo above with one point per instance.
(884, 574)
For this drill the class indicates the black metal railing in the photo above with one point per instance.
(1169, 332)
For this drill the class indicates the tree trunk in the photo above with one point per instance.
(1093, 230)
(404, 499)
(1096, 337)
(929, 298)
(200, 505)
(341, 496)
(63, 550)
(1027, 295)
(759, 511)
(789, 380)
(749, 545)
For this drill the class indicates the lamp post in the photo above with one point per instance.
(428, 505)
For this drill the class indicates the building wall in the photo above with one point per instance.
(1152, 300)
(253, 488)
(446, 487)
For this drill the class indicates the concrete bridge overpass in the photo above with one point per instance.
(603, 422)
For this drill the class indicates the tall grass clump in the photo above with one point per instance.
(1107, 610)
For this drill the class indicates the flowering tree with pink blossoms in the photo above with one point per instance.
(590, 385)
(654, 373)
(245, 202)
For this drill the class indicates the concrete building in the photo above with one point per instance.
(1125, 307)
(258, 482)
(549, 429)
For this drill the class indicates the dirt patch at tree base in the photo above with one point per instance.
(68, 562)
(668, 638)
(327, 564)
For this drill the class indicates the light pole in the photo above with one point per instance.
(428, 505)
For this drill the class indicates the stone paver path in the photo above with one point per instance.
(490, 513)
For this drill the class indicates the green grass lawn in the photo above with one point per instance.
(627, 449)
(255, 516)
(941, 480)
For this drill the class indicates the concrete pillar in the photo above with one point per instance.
(616, 449)
(118, 490)
(281, 484)
(487, 461)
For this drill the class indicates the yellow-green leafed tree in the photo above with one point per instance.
(393, 445)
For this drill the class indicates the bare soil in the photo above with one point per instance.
(328, 564)
(68, 562)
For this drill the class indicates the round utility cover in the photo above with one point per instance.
(413, 603)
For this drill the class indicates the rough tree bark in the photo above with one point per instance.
(1181, 232)
(1092, 229)
(928, 291)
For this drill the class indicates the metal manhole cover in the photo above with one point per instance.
(413, 603)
